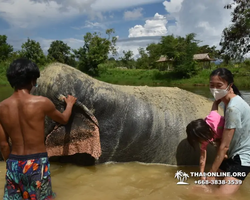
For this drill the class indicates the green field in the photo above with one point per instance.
(3, 68)
(155, 77)
(163, 78)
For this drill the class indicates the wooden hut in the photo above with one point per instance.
(203, 58)
(165, 63)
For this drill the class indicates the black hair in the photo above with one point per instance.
(226, 75)
(198, 131)
(22, 72)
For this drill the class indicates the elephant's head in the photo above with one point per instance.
(81, 133)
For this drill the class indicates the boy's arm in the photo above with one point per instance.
(4, 144)
(54, 114)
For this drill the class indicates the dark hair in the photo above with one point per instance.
(226, 75)
(22, 72)
(197, 131)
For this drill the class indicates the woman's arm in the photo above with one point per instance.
(215, 106)
(225, 142)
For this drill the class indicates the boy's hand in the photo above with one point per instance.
(70, 100)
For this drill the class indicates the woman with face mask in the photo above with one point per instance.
(235, 140)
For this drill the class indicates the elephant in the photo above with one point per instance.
(135, 123)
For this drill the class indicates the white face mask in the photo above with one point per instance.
(219, 93)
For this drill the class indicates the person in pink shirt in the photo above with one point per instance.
(205, 131)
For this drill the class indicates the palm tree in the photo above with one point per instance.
(178, 174)
(185, 176)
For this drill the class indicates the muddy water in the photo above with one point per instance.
(129, 181)
(124, 181)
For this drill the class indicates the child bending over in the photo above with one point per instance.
(205, 131)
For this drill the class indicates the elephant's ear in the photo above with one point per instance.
(80, 135)
(84, 108)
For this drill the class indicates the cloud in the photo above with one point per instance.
(110, 5)
(45, 43)
(98, 5)
(81, 5)
(122, 44)
(205, 18)
(36, 13)
(28, 14)
(135, 14)
(173, 6)
(133, 44)
(89, 24)
(71, 42)
(152, 27)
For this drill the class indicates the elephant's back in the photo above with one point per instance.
(165, 99)
(173, 100)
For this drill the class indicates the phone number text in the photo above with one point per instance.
(218, 182)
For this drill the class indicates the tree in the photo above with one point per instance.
(60, 52)
(95, 51)
(127, 59)
(181, 50)
(5, 48)
(184, 63)
(154, 51)
(171, 46)
(235, 41)
(143, 60)
(211, 50)
(33, 51)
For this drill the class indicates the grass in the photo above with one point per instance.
(154, 77)
(3, 79)
(131, 77)
(3, 68)
(164, 78)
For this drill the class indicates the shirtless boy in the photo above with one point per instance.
(22, 121)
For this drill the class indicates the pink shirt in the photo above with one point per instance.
(216, 122)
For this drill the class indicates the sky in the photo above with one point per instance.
(137, 23)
